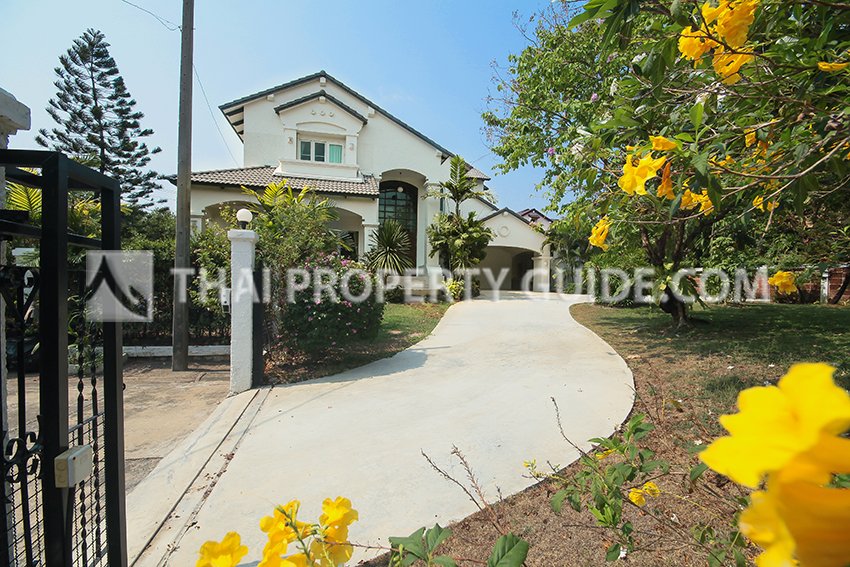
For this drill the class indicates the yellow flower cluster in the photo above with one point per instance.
(830, 67)
(637, 171)
(665, 189)
(791, 433)
(600, 233)
(784, 281)
(661, 144)
(329, 546)
(638, 495)
(759, 203)
(228, 553)
(734, 19)
(691, 200)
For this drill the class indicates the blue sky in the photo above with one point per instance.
(426, 62)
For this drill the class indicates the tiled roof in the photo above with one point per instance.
(260, 176)
(476, 174)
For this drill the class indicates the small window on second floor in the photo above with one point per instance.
(320, 151)
(334, 153)
(306, 151)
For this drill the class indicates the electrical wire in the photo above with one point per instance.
(171, 26)
(163, 21)
(212, 114)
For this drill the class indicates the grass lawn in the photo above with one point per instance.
(402, 326)
(684, 379)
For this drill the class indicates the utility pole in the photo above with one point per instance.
(180, 340)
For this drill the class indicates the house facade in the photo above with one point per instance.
(316, 132)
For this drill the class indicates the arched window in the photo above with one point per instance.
(398, 201)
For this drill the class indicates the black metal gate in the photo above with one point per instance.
(45, 525)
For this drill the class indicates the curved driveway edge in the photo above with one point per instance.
(483, 381)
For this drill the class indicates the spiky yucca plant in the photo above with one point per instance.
(390, 246)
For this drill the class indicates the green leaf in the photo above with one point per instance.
(716, 558)
(444, 561)
(700, 163)
(575, 501)
(678, 14)
(412, 544)
(613, 552)
(697, 471)
(675, 204)
(558, 500)
(740, 561)
(737, 539)
(800, 195)
(650, 466)
(696, 115)
(435, 537)
(510, 551)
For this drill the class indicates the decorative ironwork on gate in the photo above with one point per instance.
(45, 524)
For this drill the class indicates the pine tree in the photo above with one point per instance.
(97, 121)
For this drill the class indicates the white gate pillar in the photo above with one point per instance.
(541, 273)
(242, 297)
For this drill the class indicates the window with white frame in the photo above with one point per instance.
(321, 151)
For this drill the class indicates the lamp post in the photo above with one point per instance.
(244, 216)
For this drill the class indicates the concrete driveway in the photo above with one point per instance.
(483, 382)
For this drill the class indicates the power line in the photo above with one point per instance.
(163, 21)
(212, 114)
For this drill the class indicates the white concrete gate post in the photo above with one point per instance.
(242, 297)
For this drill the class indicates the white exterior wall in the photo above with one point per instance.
(510, 231)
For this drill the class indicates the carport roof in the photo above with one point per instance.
(260, 176)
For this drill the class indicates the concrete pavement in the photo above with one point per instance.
(482, 382)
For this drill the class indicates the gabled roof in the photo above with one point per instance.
(260, 176)
(505, 210)
(534, 214)
(319, 94)
(234, 110)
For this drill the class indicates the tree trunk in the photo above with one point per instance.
(676, 308)
(842, 289)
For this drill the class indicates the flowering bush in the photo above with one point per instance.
(342, 307)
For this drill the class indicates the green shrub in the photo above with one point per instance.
(455, 288)
(394, 295)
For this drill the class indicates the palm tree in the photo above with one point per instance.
(390, 247)
(459, 187)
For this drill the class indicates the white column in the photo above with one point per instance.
(242, 297)
(368, 230)
(542, 273)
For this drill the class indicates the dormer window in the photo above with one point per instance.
(320, 151)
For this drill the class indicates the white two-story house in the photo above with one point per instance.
(316, 132)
